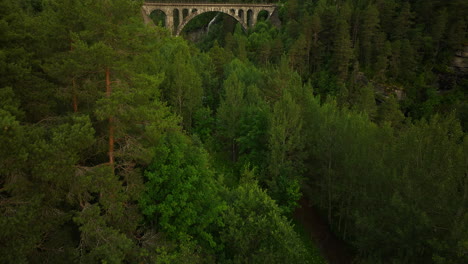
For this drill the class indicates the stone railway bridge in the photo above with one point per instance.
(246, 14)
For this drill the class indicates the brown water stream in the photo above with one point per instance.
(332, 248)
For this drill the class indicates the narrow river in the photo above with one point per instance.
(331, 247)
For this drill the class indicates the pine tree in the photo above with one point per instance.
(403, 22)
(315, 49)
(299, 54)
(439, 28)
(342, 50)
(387, 11)
(395, 61)
(369, 28)
(408, 61)
(382, 53)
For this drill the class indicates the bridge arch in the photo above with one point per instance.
(159, 17)
(191, 16)
(263, 14)
(178, 15)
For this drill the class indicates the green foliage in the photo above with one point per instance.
(37, 168)
(342, 50)
(103, 243)
(369, 28)
(204, 124)
(314, 252)
(210, 82)
(389, 112)
(286, 152)
(181, 194)
(13, 134)
(260, 42)
(406, 186)
(243, 114)
(230, 111)
(186, 252)
(183, 86)
(299, 55)
(220, 57)
(253, 127)
(95, 166)
(364, 99)
(255, 231)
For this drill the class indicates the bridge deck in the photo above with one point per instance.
(208, 4)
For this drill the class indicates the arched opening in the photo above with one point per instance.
(232, 12)
(263, 15)
(176, 16)
(249, 17)
(241, 14)
(185, 13)
(197, 22)
(194, 10)
(158, 17)
(208, 25)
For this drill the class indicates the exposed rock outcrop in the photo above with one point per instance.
(460, 62)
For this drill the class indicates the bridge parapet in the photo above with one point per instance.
(246, 14)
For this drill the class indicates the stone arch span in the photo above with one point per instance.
(193, 15)
(245, 14)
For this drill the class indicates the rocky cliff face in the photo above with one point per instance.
(460, 62)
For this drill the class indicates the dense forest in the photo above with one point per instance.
(120, 143)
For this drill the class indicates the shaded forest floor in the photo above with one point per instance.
(331, 247)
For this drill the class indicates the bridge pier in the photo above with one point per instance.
(254, 20)
(170, 23)
(246, 14)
